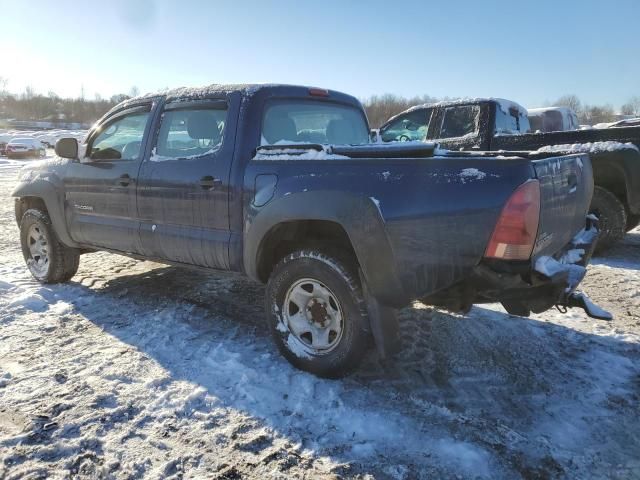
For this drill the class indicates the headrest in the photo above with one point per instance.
(202, 124)
(278, 127)
(340, 132)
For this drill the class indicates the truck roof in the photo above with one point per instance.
(504, 104)
(247, 89)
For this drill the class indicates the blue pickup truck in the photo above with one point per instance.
(280, 183)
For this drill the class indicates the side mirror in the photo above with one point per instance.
(67, 148)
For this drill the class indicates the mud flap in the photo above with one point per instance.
(384, 324)
(582, 300)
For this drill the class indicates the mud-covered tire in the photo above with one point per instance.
(340, 279)
(612, 218)
(62, 261)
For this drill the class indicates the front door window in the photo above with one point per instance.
(120, 139)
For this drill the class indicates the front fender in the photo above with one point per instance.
(47, 187)
(358, 215)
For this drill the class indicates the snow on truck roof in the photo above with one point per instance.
(208, 90)
(191, 93)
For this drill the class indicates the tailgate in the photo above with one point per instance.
(566, 188)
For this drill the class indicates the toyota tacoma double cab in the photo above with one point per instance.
(493, 124)
(279, 183)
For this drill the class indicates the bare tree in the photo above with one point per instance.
(592, 114)
(632, 107)
(134, 92)
(4, 81)
(571, 101)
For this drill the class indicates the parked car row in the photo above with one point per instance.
(36, 141)
(24, 148)
(281, 183)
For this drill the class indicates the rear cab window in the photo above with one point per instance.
(312, 121)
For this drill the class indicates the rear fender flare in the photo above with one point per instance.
(359, 216)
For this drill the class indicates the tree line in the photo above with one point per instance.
(30, 105)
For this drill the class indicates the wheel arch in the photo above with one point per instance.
(43, 194)
(617, 172)
(335, 219)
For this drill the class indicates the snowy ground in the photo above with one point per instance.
(139, 370)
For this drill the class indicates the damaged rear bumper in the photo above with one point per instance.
(532, 286)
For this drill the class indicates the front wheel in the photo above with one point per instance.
(317, 314)
(48, 259)
(612, 218)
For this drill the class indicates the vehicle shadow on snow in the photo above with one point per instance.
(624, 254)
(511, 387)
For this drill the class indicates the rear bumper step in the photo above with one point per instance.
(525, 287)
(582, 300)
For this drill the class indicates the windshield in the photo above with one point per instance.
(309, 121)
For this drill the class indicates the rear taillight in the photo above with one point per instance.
(515, 233)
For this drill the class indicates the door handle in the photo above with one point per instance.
(124, 180)
(208, 182)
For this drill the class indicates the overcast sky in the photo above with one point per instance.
(531, 52)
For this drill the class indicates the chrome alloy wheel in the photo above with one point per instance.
(38, 250)
(313, 316)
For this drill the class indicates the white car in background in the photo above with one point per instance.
(25, 148)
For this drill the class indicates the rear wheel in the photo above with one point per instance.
(316, 313)
(48, 259)
(612, 218)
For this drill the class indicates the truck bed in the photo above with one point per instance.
(533, 141)
(438, 209)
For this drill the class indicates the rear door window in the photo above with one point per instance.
(308, 121)
(190, 133)
(460, 121)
